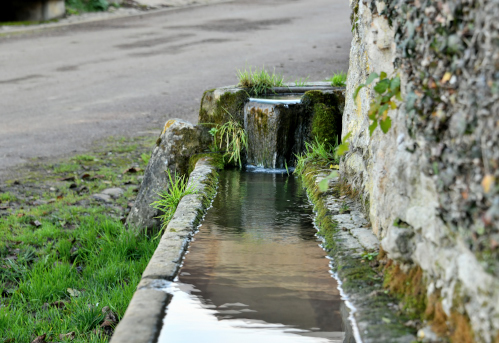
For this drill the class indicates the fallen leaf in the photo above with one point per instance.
(71, 335)
(487, 182)
(74, 292)
(132, 170)
(493, 244)
(69, 178)
(40, 339)
(85, 176)
(59, 304)
(446, 78)
(20, 215)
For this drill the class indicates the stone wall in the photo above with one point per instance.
(428, 184)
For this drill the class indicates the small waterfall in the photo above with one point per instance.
(277, 129)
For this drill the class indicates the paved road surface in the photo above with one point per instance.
(63, 88)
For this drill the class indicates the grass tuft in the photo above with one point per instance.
(320, 155)
(338, 80)
(232, 135)
(170, 198)
(259, 81)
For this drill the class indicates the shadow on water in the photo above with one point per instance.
(255, 272)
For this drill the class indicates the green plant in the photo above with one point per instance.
(145, 158)
(338, 80)
(385, 91)
(77, 6)
(369, 255)
(170, 198)
(259, 81)
(300, 82)
(344, 208)
(231, 135)
(320, 154)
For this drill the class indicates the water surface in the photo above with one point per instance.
(255, 271)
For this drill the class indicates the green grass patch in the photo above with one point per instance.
(319, 155)
(339, 79)
(259, 81)
(80, 6)
(64, 256)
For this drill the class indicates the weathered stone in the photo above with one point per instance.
(177, 142)
(399, 243)
(113, 192)
(102, 197)
(146, 310)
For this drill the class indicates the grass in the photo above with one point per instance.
(339, 79)
(65, 258)
(80, 6)
(169, 199)
(259, 81)
(320, 155)
(301, 82)
(233, 137)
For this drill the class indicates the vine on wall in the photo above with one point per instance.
(449, 51)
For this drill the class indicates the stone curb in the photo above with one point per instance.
(143, 318)
(374, 312)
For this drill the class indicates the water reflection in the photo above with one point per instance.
(255, 271)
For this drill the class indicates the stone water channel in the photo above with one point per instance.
(255, 271)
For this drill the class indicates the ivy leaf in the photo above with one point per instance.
(323, 185)
(385, 125)
(395, 83)
(382, 75)
(382, 110)
(399, 98)
(392, 105)
(347, 136)
(382, 86)
(371, 78)
(342, 148)
(373, 127)
(357, 91)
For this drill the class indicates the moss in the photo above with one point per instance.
(326, 115)
(409, 288)
(219, 111)
(216, 158)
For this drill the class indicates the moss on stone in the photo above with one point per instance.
(219, 111)
(409, 288)
(217, 160)
(359, 279)
(326, 115)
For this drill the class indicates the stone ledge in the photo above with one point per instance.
(349, 240)
(143, 317)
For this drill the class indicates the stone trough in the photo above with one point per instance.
(278, 124)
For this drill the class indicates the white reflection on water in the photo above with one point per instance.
(190, 320)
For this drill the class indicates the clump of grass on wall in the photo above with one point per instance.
(321, 155)
(339, 79)
(259, 81)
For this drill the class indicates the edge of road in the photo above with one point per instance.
(52, 26)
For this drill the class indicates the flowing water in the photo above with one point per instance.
(255, 271)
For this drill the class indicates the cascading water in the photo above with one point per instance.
(277, 127)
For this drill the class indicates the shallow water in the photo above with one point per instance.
(255, 271)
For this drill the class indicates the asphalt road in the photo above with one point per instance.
(63, 88)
